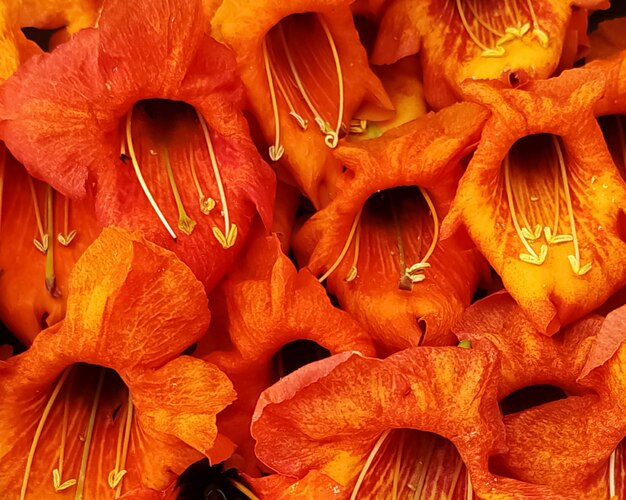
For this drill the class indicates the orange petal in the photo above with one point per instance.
(527, 357)
(334, 431)
(608, 40)
(461, 40)
(73, 15)
(9, 36)
(31, 296)
(310, 30)
(313, 485)
(554, 280)
(367, 283)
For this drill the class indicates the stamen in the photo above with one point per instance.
(455, 478)
(245, 490)
(39, 430)
(424, 470)
(276, 151)
(538, 33)
(123, 436)
(612, 476)
(331, 139)
(185, 223)
(368, 463)
(468, 486)
(531, 257)
(292, 110)
(551, 234)
(574, 260)
(323, 125)
(66, 237)
(51, 282)
(92, 420)
(142, 182)
(498, 51)
(344, 250)
(353, 272)
(206, 203)
(413, 272)
(57, 474)
(122, 469)
(396, 469)
(405, 282)
(42, 243)
(228, 238)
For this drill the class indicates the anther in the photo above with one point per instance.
(57, 474)
(42, 243)
(345, 248)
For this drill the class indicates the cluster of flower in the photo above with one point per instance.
(350, 249)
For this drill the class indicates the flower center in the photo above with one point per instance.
(534, 217)
(406, 216)
(166, 124)
(491, 25)
(303, 68)
(64, 404)
(409, 464)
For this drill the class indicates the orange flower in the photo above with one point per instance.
(422, 422)
(42, 234)
(513, 40)
(163, 97)
(307, 78)
(101, 404)
(267, 304)
(542, 198)
(72, 15)
(377, 241)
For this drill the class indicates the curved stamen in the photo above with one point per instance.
(368, 463)
(50, 275)
(531, 257)
(57, 474)
(353, 272)
(413, 272)
(185, 223)
(344, 250)
(121, 470)
(574, 260)
(292, 110)
(39, 430)
(3, 158)
(424, 469)
(538, 33)
(331, 139)
(142, 182)
(276, 151)
(469, 489)
(206, 203)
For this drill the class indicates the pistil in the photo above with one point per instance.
(50, 275)
(345, 248)
(185, 223)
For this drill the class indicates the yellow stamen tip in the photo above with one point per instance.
(541, 37)
(58, 485)
(352, 274)
(66, 239)
(228, 240)
(186, 224)
(206, 205)
(42, 245)
(115, 477)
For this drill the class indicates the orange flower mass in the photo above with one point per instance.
(101, 403)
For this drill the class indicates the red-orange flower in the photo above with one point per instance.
(101, 403)
(377, 242)
(266, 304)
(513, 40)
(307, 78)
(378, 426)
(542, 198)
(150, 87)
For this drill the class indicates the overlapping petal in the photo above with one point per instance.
(186, 98)
(132, 308)
(542, 198)
(368, 273)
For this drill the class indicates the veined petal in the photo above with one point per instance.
(313, 485)
(307, 76)
(393, 193)
(463, 39)
(72, 15)
(541, 198)
(87, 112)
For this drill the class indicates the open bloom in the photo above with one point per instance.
(377, 243)
(542, 199)
(308, 80)
(144, 113)
(101, 404)
(512, 40)
(421, 423)
(265, 305)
